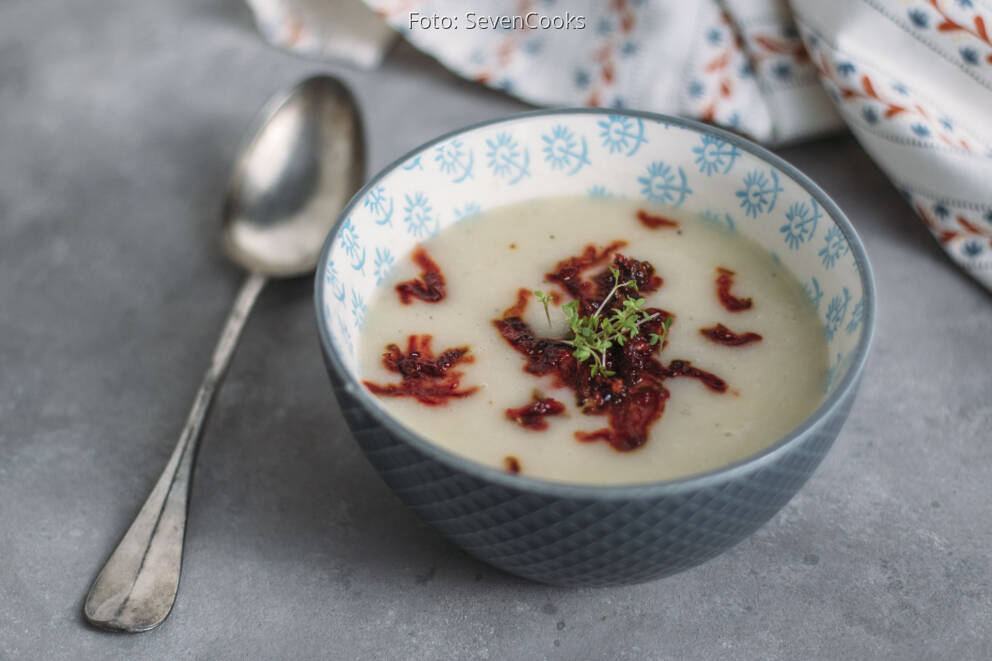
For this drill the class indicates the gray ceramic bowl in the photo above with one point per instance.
(589, 535)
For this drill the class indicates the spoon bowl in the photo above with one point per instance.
(304, 162)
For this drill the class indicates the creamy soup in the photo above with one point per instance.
(722, 357)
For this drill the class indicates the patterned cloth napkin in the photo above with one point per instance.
(912, 79)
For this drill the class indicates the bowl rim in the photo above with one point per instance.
(594, 492)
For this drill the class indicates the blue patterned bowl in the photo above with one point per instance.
(590, 535)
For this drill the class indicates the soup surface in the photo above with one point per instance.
(743, 361)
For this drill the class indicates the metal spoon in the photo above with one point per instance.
(305, 161)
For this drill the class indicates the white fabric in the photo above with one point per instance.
(913, 80)
(754, 66)
(741, 64)
(341, 29)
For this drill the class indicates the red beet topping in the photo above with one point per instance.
(427, 378)
(634, 397)
(512, 464)
(685, 368)
(532, 415)
(589, 292)
(429, 287)
(568, 272)
(723, 335)
(517, 309)
(724, 281)
(654, 222)
(630, 421)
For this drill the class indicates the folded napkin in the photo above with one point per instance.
(912, 79)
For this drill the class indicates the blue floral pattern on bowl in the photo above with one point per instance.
(597, 154)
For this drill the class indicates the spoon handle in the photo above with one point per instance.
(135, 590)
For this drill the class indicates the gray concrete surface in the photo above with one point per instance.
(118, 121)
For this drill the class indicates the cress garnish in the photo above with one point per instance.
(593, 335)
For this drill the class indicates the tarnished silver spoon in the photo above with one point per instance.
(304, 162)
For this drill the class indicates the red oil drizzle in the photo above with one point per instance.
(654, 222)
(724, 281)
(429, 287)
(723, 335)
(532, 416)
(427, 378)
(634, 397)
(512, 465)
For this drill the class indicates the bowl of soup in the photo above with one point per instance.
(594, 347)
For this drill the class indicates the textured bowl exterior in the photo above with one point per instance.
(571, 541)
(585, 535)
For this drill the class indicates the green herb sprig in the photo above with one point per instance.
(593, 335)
